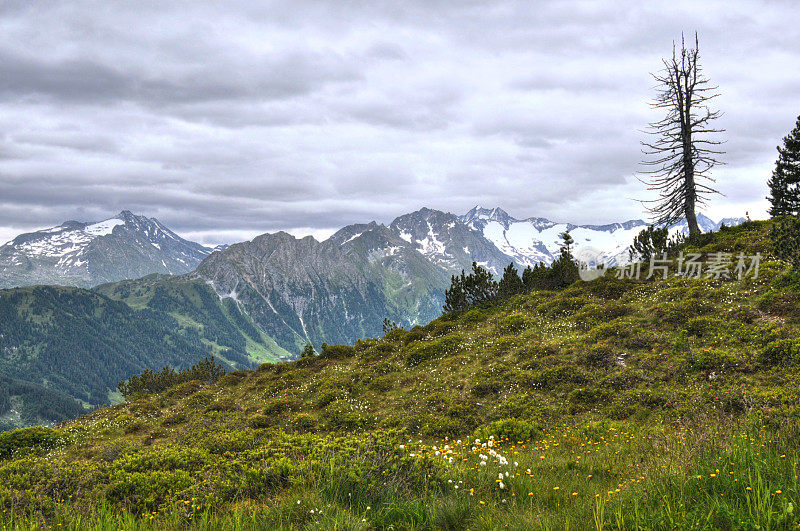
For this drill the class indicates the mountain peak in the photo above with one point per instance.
(126, 215)
(479, 216)
(90, 253)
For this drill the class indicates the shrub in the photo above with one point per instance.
(549, 378)
(713, 359)
(335, 352)
(486, 387)
(417, 333)
(612, 330)
(279, 406)
(340, 416)
(537, 350)
(511, 324)
(680, 312)
(27, 439)
(620, 411)
(233, 378)
(509, 429)
(199, 400)
(303, 422)
(173, 420)
(224, 404)
(261, 421)
(781, 351)
(426, 350)
(706, 326)
(588, 395)
(561, 306)
(439, 327)
(599, 356)
(206, 370)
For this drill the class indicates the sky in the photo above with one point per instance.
(226, 120)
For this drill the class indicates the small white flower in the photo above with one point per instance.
(502, 485)
(490, 443)
(483, 463)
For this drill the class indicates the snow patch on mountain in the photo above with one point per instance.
(103, 228)
(533, 240)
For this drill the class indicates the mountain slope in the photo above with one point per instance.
(78, 345)
(285, 292)
(220, 323)
(601, 403)
(87, 254)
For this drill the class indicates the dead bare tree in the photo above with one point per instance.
(684, 151)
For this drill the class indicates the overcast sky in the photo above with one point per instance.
(226, 120)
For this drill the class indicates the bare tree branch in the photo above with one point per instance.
(682, 154)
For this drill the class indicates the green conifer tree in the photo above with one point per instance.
(784, 186)
(510, 284)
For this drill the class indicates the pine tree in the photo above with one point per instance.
(308, 351)
(455, 298)
(653, 242)
(784, 186)
(510, 284)
(535, 277)
(479, 287)
(389, 325)
(785, 236)
(566, 244)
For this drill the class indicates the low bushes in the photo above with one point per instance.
(27, 440)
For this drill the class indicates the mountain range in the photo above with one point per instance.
(65, 348)
(128, 246)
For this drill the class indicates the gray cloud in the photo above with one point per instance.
(229, 119)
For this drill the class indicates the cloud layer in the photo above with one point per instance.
(226, 120)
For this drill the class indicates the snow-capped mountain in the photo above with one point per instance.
(86, 254)
(706, 224)
(448, 242)
(533, 240)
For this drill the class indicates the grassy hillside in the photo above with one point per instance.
(659, 404)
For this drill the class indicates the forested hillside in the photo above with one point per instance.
(658, 403)
(61, 345)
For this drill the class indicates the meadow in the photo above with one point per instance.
(612, 404)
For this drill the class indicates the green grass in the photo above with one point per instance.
(614, 404)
